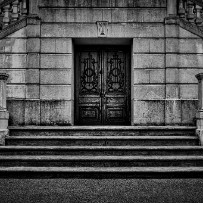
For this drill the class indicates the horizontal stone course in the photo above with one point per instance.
(154, 61)
(56, 76)
(13, 45)
(102, 3)
(127, 30)
(102, 14)
(55, 92)
(56, 61)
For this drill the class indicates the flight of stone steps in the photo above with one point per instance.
(102, 151)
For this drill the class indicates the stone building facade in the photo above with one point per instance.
(43, 60)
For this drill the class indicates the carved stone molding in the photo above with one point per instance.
(29, 20)
(102, 28)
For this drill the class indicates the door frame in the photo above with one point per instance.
(98, 48)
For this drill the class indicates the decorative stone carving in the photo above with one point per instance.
(199, 115)
(102, 28)
(4, 115)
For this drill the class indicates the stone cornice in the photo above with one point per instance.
(29, 20)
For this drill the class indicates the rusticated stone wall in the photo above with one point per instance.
(40, 61)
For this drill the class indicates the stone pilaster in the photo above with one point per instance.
(199, 115)
(4, 115)
(171, 8)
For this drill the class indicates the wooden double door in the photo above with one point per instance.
(102, 85)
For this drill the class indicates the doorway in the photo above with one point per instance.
(102, 87)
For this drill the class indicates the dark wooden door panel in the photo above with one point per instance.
(102, 86)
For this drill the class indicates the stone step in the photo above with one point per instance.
(101, 161)
(102, 140)
(102, 131)
(101, 150)
(101, 172)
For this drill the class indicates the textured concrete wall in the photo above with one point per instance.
(40, 62)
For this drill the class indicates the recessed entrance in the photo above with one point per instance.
(102, 85)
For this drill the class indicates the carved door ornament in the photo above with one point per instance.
(102, 28)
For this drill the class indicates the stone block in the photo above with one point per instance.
(172, 31)
(15, 76)
(172, 91)
(184, 45)
(13, 45)
(141, 76)
(173, 112)
(16, 109)
(32, 92)
(56, 112)
(188, 75)
(127, 30)
(13, 61)
(22, 33)
(56, 61)
(189, 109)
(33, 60)
(32, 112)
(33, 45)
(33, 30)
(149, 61)
(157, 76)
(148, 45)
(186, 34)
(148, 112)
(48, 45)
(172, 75)
(32, 76)
(64, 45)
(56, 77)
(16, 91)
(189, 91)
(55, 92)
(149, 92)
(184, 60)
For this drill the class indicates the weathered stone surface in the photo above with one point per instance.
(102, 3)
(22, 33)
(16, 91)
(149, 61)
(184, 60)
(56, 76)
(188, 91)
(188, 75)
(172, 112)
(32, 112)
(148, 112)
(33, 45)
(98, 14)
(32, 92)
(149, 92)
(15, 76)
(172, 91)
(56, 112)
(56, 61)
(172, 75)
(50, 45)
(148, 45)
(186, 34)
(32, 76)
(189, 110)
(128, 30)
(184, 45)
(142, 76)
(33, 30)
(55, 92)
(33, 60)
(13, 61)
(13, 45)
(172, 31)
(16, 109)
